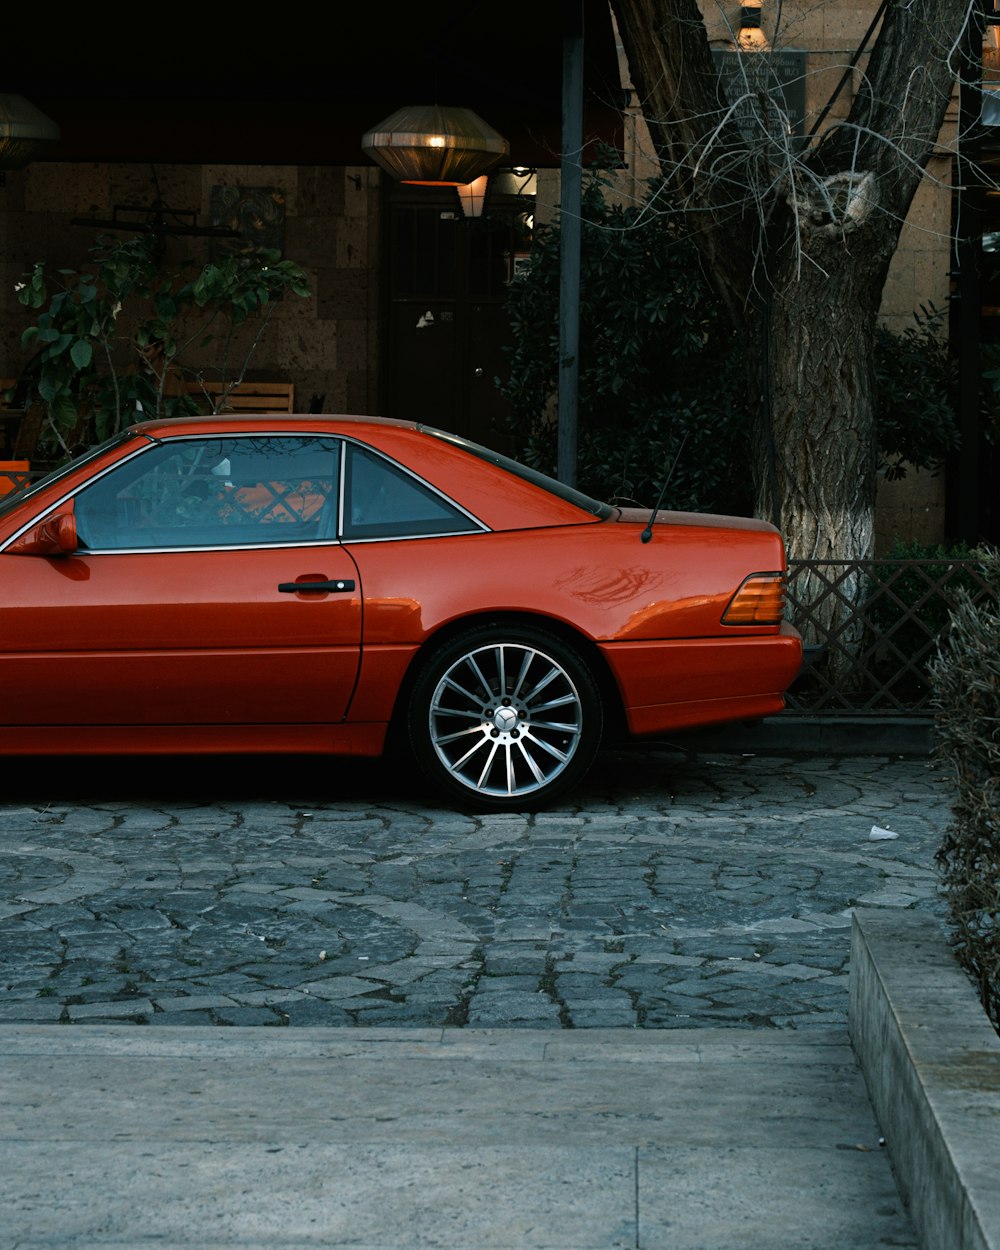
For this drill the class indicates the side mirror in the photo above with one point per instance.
(55, 536)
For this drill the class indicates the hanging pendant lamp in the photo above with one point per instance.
(24, 132)
(434, 145)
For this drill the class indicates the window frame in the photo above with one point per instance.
(345, 443)
(248, 543)
(476, 526)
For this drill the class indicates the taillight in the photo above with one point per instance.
(759, 601)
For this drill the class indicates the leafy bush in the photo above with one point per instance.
(917, 378)
(908, 609)
(662, 372)
(966, 683)
(110, 338)
(916, 607)
(660, 367)
(989, 354)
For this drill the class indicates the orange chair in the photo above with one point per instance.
(14, 475)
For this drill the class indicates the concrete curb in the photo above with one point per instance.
(828, 735)
(931, 1061)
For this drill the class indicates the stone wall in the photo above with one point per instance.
(326, 345)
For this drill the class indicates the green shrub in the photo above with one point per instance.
(966, 683)
(662, 372)
(660, 369)
(917, 379)
(108, 338)
(909, 606)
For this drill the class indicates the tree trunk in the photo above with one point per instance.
(813, 441)
(798, 245)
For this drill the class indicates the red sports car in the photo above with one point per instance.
(335, 584)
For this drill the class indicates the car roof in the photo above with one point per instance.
(223, 423)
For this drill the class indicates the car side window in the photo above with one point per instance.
(208, 492)
(381, 500)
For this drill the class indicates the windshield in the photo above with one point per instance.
(542, 480)
(9, 502)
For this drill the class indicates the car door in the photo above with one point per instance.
(208, 587)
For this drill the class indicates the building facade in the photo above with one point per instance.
(406, 316)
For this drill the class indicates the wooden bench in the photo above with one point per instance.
(10, 418)
(246, 396)
(20, 430)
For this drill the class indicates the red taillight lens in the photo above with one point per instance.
(759, 601)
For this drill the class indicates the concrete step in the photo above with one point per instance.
(506, 1139)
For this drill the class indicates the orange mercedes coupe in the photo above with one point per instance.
(323, 584)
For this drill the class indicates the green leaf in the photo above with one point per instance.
(64, 411)
(89, 332)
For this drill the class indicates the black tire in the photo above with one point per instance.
(504, 718)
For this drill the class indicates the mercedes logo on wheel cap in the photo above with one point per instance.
(505, 718)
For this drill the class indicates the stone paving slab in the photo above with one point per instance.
(675, 889)
(732, 1139)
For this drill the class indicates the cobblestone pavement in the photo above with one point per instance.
(675, 889)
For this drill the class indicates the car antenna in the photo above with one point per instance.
(647, 533)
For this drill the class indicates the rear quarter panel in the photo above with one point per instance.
(599, 578)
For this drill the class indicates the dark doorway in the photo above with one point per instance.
(446, 279)
(972, 511)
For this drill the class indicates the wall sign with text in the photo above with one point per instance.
(781, 74)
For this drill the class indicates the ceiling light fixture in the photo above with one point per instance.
(434, 145)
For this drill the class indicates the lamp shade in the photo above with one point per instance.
(24, 131)
(750, 37)
(434, 144)
(472, 196)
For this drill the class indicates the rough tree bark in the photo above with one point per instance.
(799, 243)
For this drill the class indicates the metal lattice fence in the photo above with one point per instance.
(888, 614)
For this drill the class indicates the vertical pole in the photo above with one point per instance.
(570, 234)
(964, 518)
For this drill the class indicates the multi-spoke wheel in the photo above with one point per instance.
(505, 718)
